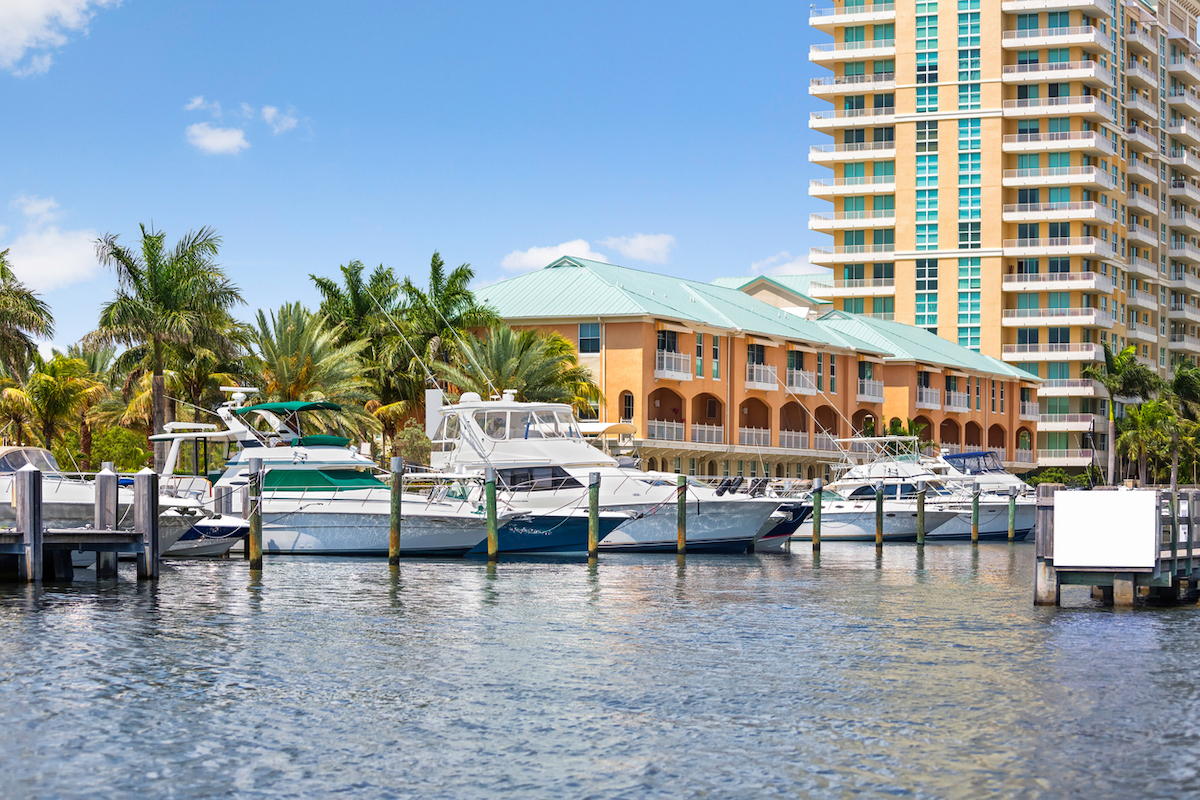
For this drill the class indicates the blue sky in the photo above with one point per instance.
(667, 136)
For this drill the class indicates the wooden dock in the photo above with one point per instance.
(34, 553)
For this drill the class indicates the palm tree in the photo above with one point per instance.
(23, 317)
(59, 389)
(539, 367)
(16, 410)
(443, 313)
(99, 362)
(300, 359)
(1182, 394)
(1123, 376)
(166, 297)
(1145, 432)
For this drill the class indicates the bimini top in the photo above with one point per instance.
(291, 407)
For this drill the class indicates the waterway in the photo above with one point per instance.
(923, 675)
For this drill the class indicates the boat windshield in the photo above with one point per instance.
(43, 460)
(892, 491)
(974, 463)
(542, 423)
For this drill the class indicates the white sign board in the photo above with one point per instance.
(1106, 530)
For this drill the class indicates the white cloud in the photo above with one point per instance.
(782, 263)
(248, 111)
(44, 256)
(32, 27)
(652, 247)
(538, 257)
(279, 122)
(198, 103)
(216, 141)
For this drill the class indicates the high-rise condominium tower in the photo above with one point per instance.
(1022, 177)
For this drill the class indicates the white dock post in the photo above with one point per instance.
(1123, 590)
(145, 522)
(28, 486)
(106, 517)
(1046, 591)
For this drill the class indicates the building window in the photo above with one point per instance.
(927, 67)
(978, 395)
(756, 354)
(699, 355)
(677, 461)
(740, 469)
(969, 302)
(832, 373)
(668, 341)
(993, 397)
(970, 169)
(970, 202)
(927, 32)
(927, 299)
(970, 135)
(969, 97)
(589, 337)
(969, 67)
(927, 203)
(926, 236)
(820, 372)
(927, 171)
(1001, 398)
(716, 357)
(927, 99)
(927, 136)
(968, 29)
(969, 236)
(627, 405)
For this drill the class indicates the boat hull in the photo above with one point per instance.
(548, 534)
(777, 538)
(855, 522)
(712, 527)
(324, 531)
(993, 523)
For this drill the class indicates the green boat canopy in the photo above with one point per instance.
(296, 480)
(290, 407)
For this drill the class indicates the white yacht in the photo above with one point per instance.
(543, 462)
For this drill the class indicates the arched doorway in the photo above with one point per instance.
(667, 418)
(864, 423)
(948, 436)
(793, 426)
(998, 440)
(922, 426)
(827, 428)
(625, 406)
(754, 423)
(708, 419)
(973, 435)
(652, 464)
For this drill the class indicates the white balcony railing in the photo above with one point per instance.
(1029, 410)
(665, 431)
(1024, 456)
(928, 397)
(802, 381)
(761, 376)
(824, 441)
(958, 401)
(754, 437)
(673, 366)
(708, 434)
(795, 440)
(1051, 455)
(870, 391)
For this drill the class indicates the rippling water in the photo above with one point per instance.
(752, 676)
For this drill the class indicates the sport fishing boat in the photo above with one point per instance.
(542, 462)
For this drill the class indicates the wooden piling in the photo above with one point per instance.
(145, 522)
(593, 514)
(1012, 513)
(489, 495)
(397, 504)
(817, 493)
(1046, 590)
(106, 517)
(879, 514)
(27, 484)
(921, 489)
(254, 489)
(681, 516)
(975, 512)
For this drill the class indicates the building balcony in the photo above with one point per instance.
(664, 431)
(845, 254)
(1182, 279)
(1028, 410)
(1142, 202)
(852, 151)
(1024, 457)
(1185, 100)
(827, 19)
(1184, 70)
(1139, 74)
(958, 402)
(761, 377)
(1082, 211)
(868, 83)
(1141, 140)
(1091, 73)
(1140, 40)
(672, 366)
(1141, 171)
(1065, 422)
(870, 391)
(830, 187)
(886, 316)
(708, 434)
(1186, 311)
(1036, 317)
(801, 381)
(754, 437)
(929, 398)
(1065, 458)
(1093, 8)
(1090, 142)
(1143, 235)
(1141, 268)
(1086, 106)
(1058, 282)
(794, 440)
(846, 220)
(851, 118)
(1089, 177)
(1136, 105)
(1185, 221)
(1186, 252)
(1182, 341)
(1071, 387)
(1052, 352)
(1066, 246)
(853, 287)
(824, 441)
(1185, 161)
(832, 52)
(1089, 37)
(1147, 301)
(1184, 131)
(1143, 333)
(1185, 189)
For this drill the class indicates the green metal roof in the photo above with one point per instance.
(910, 343)
(578, 287)
(784, 282)
(291, 406)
